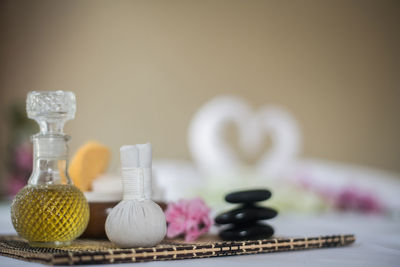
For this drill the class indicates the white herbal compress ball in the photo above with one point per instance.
(136, 221)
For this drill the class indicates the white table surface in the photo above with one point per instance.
(378, 243)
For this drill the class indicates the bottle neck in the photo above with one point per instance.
(54, 126)
(50, 163)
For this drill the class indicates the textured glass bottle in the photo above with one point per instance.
(49, 211)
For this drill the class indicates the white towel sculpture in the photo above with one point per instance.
(211, 151)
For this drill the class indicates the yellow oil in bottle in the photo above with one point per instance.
(50, 215)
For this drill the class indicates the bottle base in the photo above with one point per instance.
(50, 244)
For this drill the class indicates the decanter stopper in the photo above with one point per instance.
(51, 109)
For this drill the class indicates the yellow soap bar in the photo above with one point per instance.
(88, 163)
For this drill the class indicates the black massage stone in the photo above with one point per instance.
(247, 232)
(245, 214)
(249, 196)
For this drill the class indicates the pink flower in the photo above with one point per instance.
(15, 183)
(348, 198)
(190, 218)
(354, 199)
(24, 156)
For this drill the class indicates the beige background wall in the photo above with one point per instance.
(140, 69)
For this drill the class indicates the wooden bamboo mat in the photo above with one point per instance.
(85, 251)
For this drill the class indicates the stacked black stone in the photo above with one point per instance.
(245, 220)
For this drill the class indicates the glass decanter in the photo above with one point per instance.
(50, 211)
